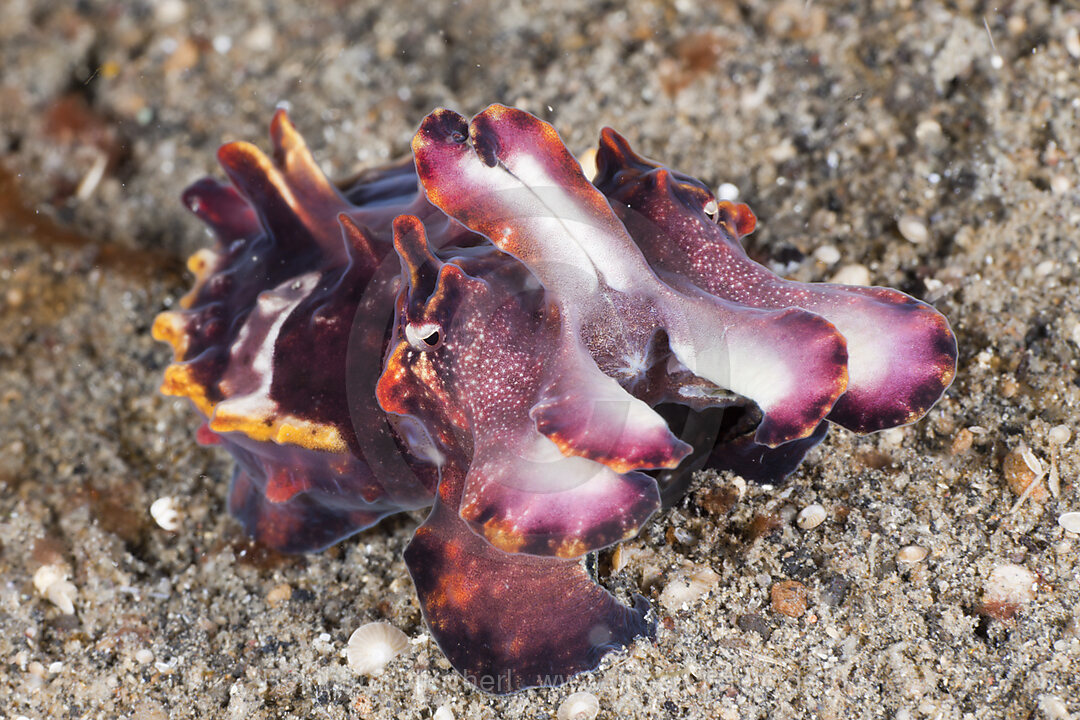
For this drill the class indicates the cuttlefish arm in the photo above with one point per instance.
(506, 175)
(464, 362)
(901, 352)
(293, 262)
(510, 621)
(472, 346)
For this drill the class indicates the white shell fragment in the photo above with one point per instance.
(1031, 461)
(827, 254)
(1070, 522)
(166, 513)
(1053, 707)
(913, 229)
(930, 135)
(373, 645)
(1012, 584)
(1059, 435)
(579, 706)
(683, 591)
(727, 191)
(1072, 42)
(854, 274)
(911, 554)
(51, 581)
(443, 713)
(810, 516)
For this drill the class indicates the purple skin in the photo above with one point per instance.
(901, 352)
(478, 329)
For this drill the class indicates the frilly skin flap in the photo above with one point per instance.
(483, 329)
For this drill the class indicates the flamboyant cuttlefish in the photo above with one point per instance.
(484, 329)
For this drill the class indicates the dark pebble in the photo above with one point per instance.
(752, 622)
(834, 589)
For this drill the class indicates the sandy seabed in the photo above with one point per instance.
(929, 146)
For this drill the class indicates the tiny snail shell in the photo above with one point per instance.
(166, 513)
(579, 706)
(911, 554)
(810, 516)
(1070, 521)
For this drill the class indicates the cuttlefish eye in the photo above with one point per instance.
(424, 336)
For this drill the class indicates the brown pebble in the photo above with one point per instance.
(183, 58)
(279, 594)
(1019, 474)
(762, 524)
(796, 20)
(718, 500)
(962, 442)
(789, 598)
(363, 706)
(874, 460)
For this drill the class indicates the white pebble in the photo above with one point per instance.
(1013, 584)
(166, 514)
(144, 656)
(443, 713)
(911, 554)
(259, 38)
(1053, 707)
(1060, 184)
(1072, 42)
(222, 44)
(373, 645)
(893, 437)
(579, 706)
(1059, 435)
(728, 192)
(46, 575)
(810, 516)
(683, 591)
(913, 229)
(51, 581)
(929, 134)
(55, 667)
(827, 254)
(854, 274)
(1070, 521)
(169, 12)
